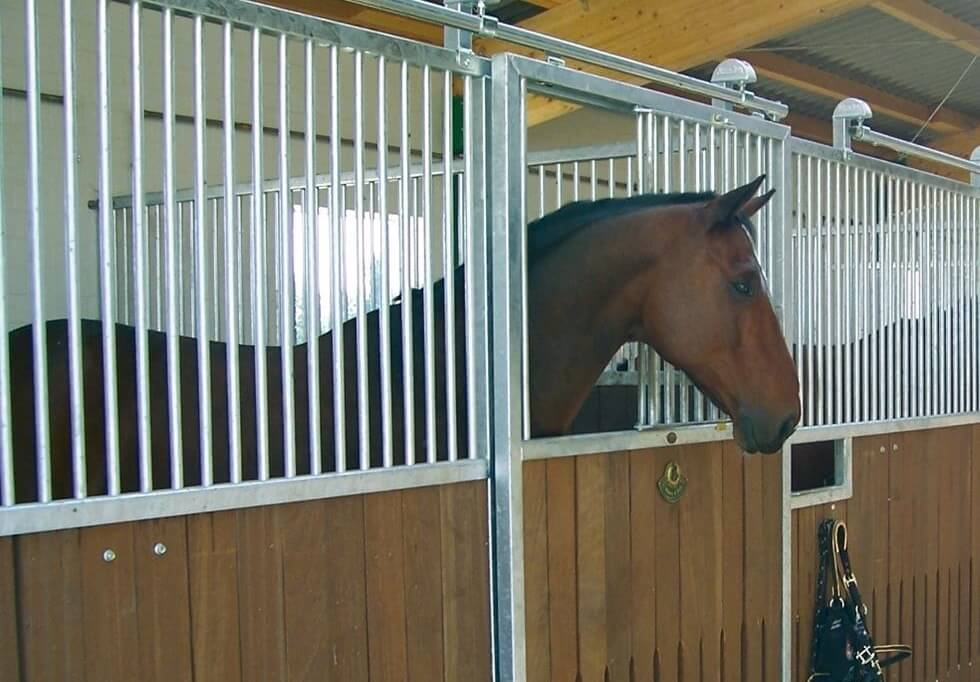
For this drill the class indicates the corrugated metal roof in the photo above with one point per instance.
(869, 46)
(964, 10)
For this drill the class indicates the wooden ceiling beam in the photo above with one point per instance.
(933, 21)
(365, 17)
(674, 34)
(817, 81)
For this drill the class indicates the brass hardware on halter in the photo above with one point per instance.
(673, 483)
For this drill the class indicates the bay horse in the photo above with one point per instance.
(675, 271)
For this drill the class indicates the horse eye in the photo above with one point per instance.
(742, 288)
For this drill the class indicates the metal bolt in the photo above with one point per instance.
(671, 437)
(894, 446)
(108, 556)
(159, 549)
(881, 449)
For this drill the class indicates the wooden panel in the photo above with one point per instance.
(10, 650)
(667, 540)
(109, 603)
(642, 521)
(307, 608)
(163, 599)
(536, 571)
(975, 559)
(260, 596)
(914, 545)
(592, 473)
(49, 595)
(387, 647)
(213, 570)
(732, 561)
(390, 586)
(618, 574)
(423, 567)
(465, 582)
(562, 580)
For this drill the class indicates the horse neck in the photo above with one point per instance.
(584, 303)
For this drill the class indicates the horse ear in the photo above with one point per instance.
(722, 209)
(753, 205)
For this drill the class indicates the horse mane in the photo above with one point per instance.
(549, 231)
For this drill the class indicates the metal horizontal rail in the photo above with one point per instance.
(866, 134)
(36, 517)
(489, 27)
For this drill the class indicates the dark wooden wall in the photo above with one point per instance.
(914, 540)
(388, 586)
(622, 585)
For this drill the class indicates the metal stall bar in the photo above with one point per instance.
(7, 492)
(231, 252)
(387, 456)
(406, 225)
(364, 427)
(286, 327)
(172, 256)
(508, 147)
(72, 265)
(449, 264)
(39, 336)
(312, 248)
(259, 264)
(200, 227)
(140, 247)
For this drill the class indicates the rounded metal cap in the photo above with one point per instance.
(733, 71)
(975, 154)
(852, 108)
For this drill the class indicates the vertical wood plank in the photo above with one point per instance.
(562, 572)
(49, 591)
(260, 594)
(346, 626)
(465, 582)
(975, 545)
(163, 599)
(755, 569)
(927, 445)
(383, 533)
(592, 473)
(109, 603)
(772, 514)
(667, 539)
(617, 554)
(309, 563)
(423, 583)
(642, 522)
(10, 649)
(536, 570)
(733, 596)
(965, 529)
(213, 581)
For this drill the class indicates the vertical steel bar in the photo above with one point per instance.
(431, 439)
(257, 248)
(593, 179)
(39, 336)
(799, 266)
(364, 426)
(7, 491)
(385, 301)
(71, 257)
(474, 255)
(559, 180)
(713, 414)
(576, 180)
(960, 327)
(812, 230)
(337, 267)
(930, 299)
(698, 187)
(683, 407)
(889, 289)
(646, 413)
(838, 300)
(868, 297)
(820, 286)
(287, 258)
(847, 302)
(540, 170)
(200, 226)
(140, 232)
(612, 178)
(943, 270)
(669, 370)
(173, 257)
(915, 239)
(312, 244)
(448, 260)
(231, 253)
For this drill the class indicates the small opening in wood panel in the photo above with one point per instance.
(816, 465)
